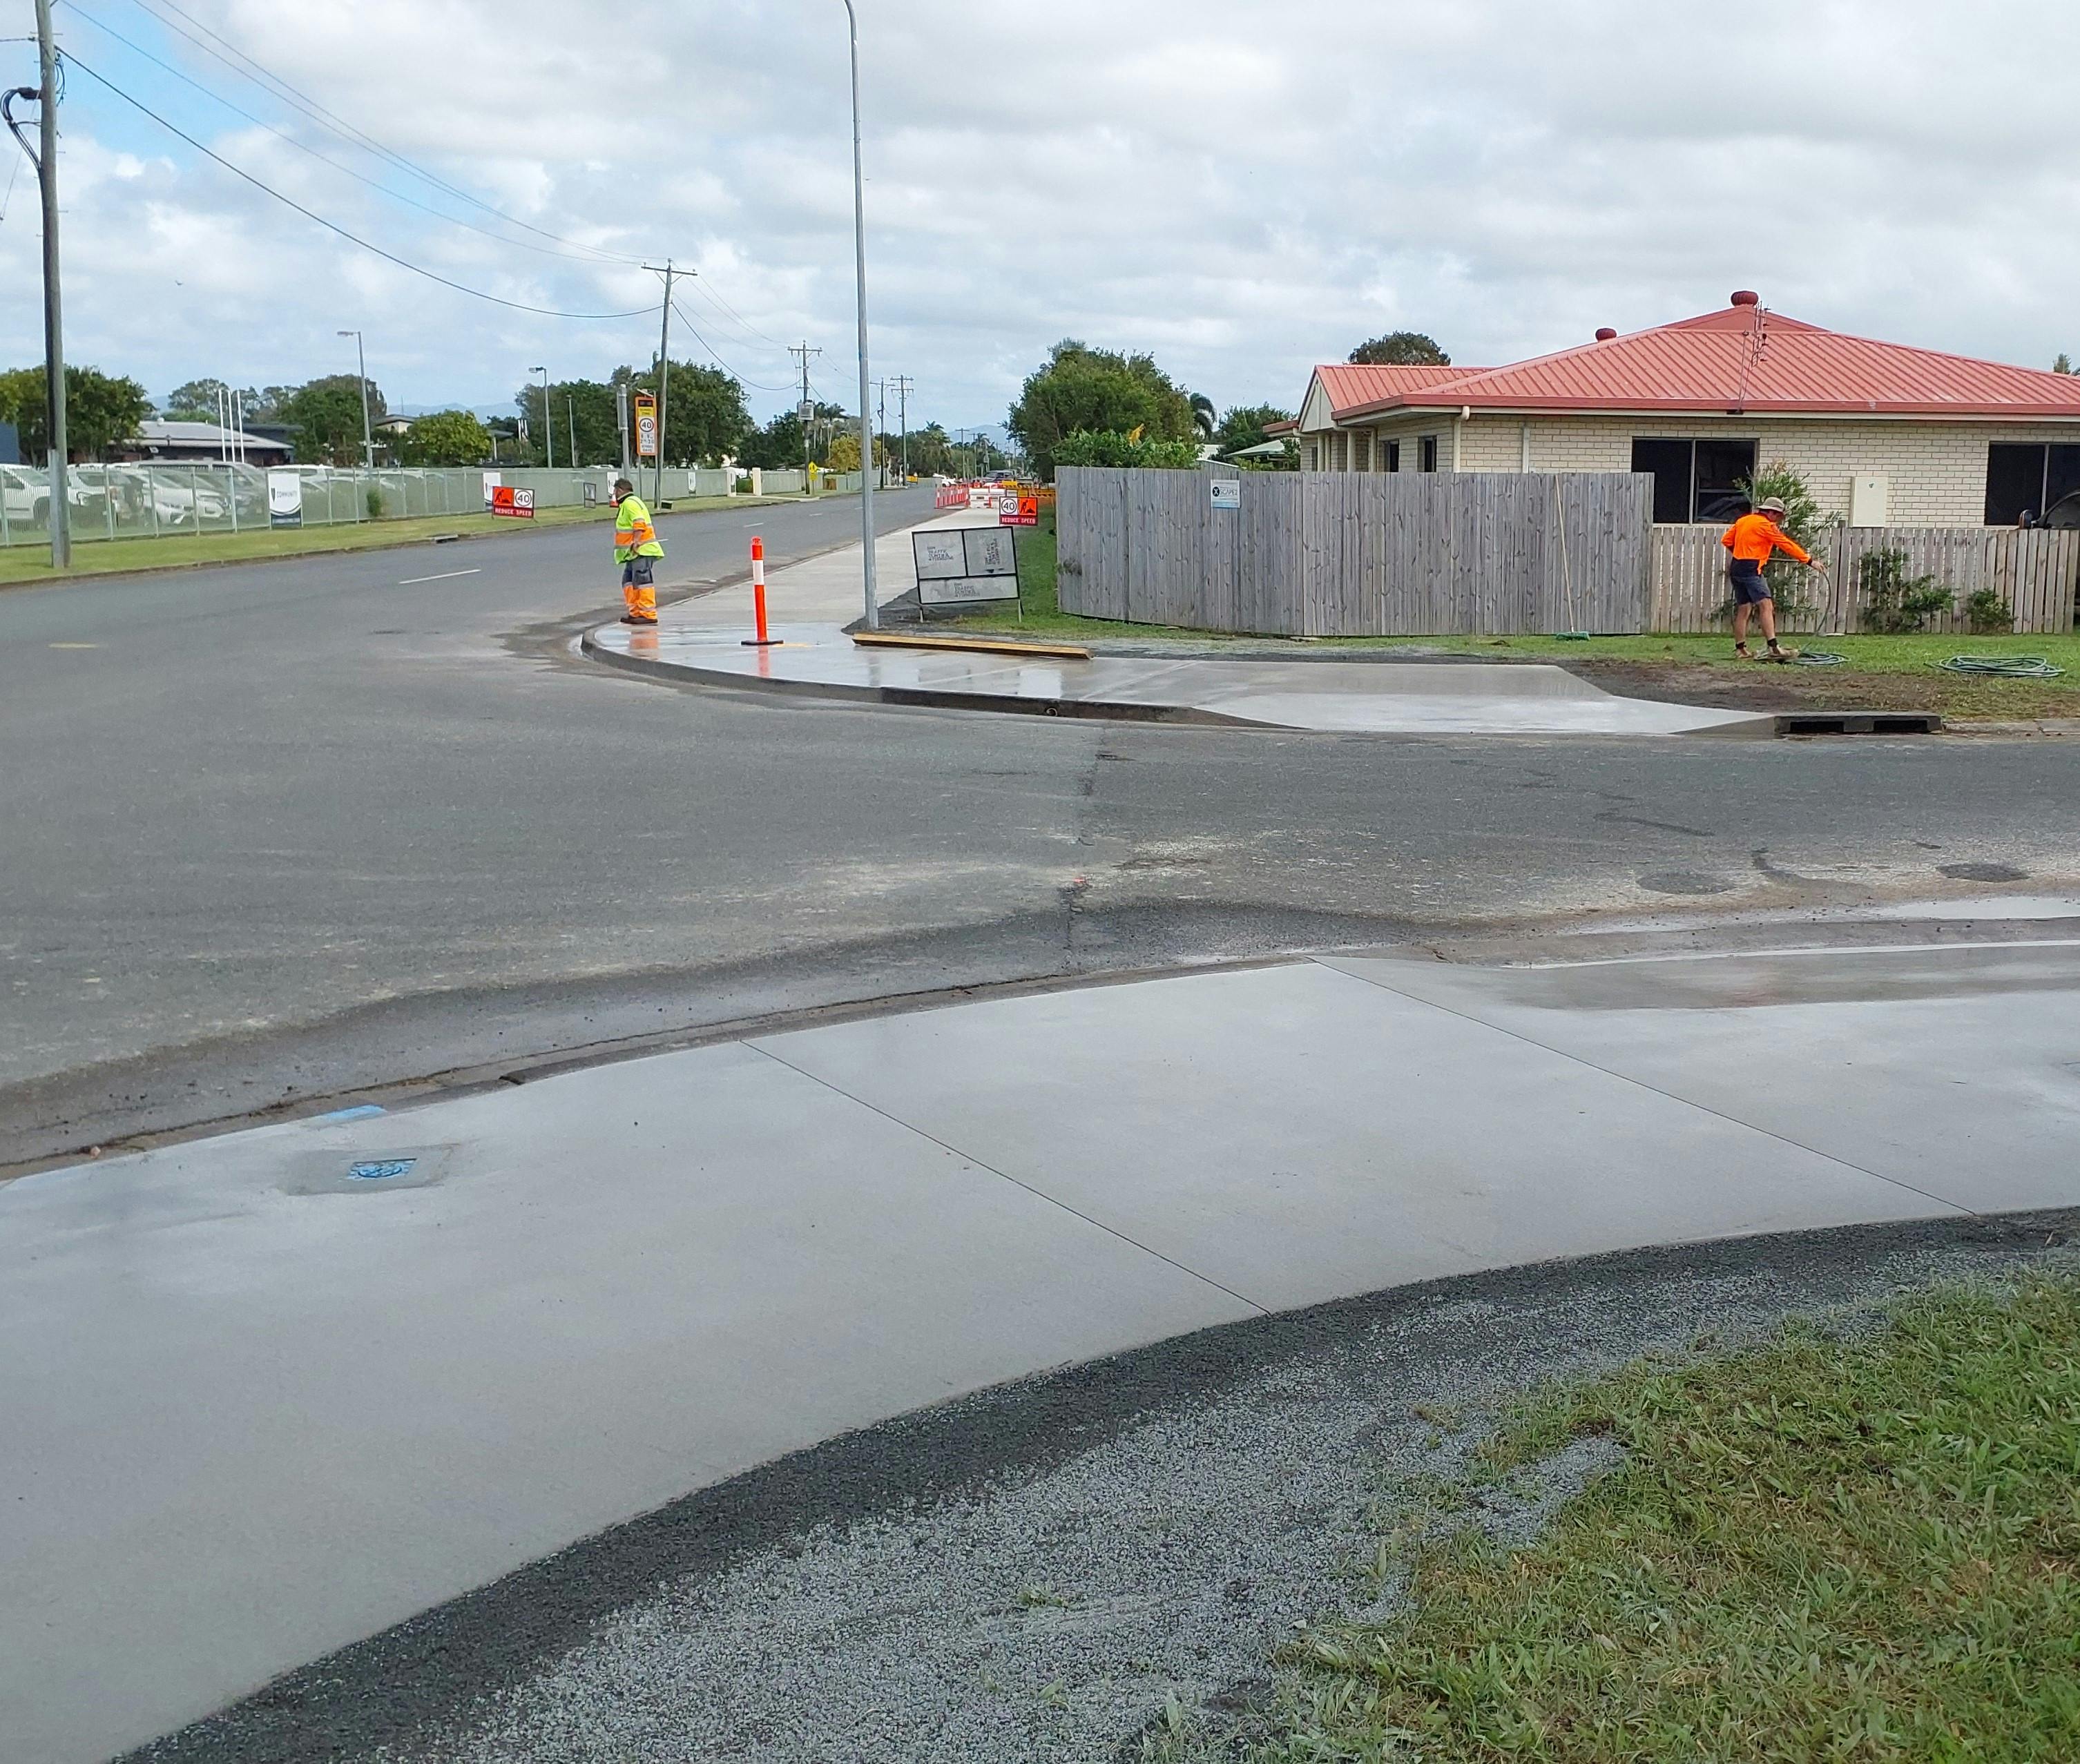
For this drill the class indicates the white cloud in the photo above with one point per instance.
(1242, 188)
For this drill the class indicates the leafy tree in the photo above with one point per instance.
(324, 415)
(1244, 425)
(1401, 348)
(705, 416)
(444, 437)
(844, 454)
(931, 452)
(101, 409)
(1100, 391)
(199, 401)
(591, 403)
(778, 445)
(1109, 447)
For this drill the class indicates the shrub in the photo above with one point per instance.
(1109, 447)
(1893, 599)
(1985, 612)
(375, 500)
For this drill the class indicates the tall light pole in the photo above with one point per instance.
(548, 422)
(45, 159)
(865, 409)
(368, 433)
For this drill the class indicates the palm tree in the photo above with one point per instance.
(1204, 418)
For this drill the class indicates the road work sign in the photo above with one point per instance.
(516, 504)
(1018, 508)
(646, 426)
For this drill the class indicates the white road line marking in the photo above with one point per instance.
(414, 582)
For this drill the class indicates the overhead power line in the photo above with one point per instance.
(323, 159)
(331, 226)
(724, 366)
(204, 38)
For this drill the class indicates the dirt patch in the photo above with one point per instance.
(1760, 686)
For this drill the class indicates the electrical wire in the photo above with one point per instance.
(282, 89)
(304, 147)
(724, 366)
(702, 285)
(2003, 667)
(330, 226)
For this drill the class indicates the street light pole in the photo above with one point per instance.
(866, 409)
(548, 423)
(367, 433)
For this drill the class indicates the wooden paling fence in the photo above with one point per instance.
(1348, 555)
(2037, 572)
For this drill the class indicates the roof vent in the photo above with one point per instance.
(1604, 333)
(1747, 297)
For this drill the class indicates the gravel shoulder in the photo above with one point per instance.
(1054, 1570)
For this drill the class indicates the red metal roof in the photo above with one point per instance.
(1738, 360)
(1352, 386)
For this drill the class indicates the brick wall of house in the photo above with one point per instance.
(1937, 471)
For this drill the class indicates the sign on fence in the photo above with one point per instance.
(646, 425)
(490, 484)
(285, 499)
(956, 565)
(1227, 494)
(507, 501)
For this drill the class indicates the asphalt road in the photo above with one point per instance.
(279, 832)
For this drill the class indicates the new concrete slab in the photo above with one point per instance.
(1377, 698)
(257, 1407)
(255, 1410)
(1956, 1069)
(1298, 1134)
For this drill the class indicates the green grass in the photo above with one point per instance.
(22, 564)
(1879, 673)
(1850, 1550)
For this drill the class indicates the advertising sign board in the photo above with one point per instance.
(958, 565)
(285, 499)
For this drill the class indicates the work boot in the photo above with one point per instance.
(1741, 653)
(1777, 652)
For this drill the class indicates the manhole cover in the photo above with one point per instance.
(381, 1169)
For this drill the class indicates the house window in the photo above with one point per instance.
(1362, 452)
(1339, 453)
(2027, 478)
(1314, 456)
(1695, 479)
(1392, 449)
(1426, 453)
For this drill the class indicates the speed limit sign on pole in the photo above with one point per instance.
(646, 426)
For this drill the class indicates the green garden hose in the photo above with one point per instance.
(2003, 667)
(1818, 658)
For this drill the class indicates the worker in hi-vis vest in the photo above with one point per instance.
(636, 551)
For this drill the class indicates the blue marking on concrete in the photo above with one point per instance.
(381, 1169)
(360, 1111)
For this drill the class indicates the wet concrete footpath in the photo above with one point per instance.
(812, 603)
(268, 1393)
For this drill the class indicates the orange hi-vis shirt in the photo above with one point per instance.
(1753, 537)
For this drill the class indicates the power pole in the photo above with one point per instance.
(45, 157)
(620, 415)
(904, 386)
(664, 377)
(806, 410)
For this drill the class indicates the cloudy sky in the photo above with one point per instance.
(1242, 187)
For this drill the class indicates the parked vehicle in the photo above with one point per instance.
(2064, 514)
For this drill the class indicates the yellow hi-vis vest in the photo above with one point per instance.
(633, 536)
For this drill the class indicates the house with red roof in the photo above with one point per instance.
(1882, 433)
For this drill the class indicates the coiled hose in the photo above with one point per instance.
(2003, 667)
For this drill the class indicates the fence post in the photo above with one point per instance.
(152, 497)
(6, 530)
(108, 501)
(231, 488)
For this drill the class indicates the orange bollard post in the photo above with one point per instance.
(762, 641)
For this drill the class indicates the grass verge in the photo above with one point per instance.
(21, 564)
(1853, 1550)
(1880, 674)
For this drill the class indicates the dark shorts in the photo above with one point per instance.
(639, 571)
(1750, 586)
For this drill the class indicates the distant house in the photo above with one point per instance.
(203, 442)
(393, 426)
(1882, 433)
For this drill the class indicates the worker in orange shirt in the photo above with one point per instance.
(1751, 539)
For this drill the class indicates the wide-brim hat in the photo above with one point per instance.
(1770, 505)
